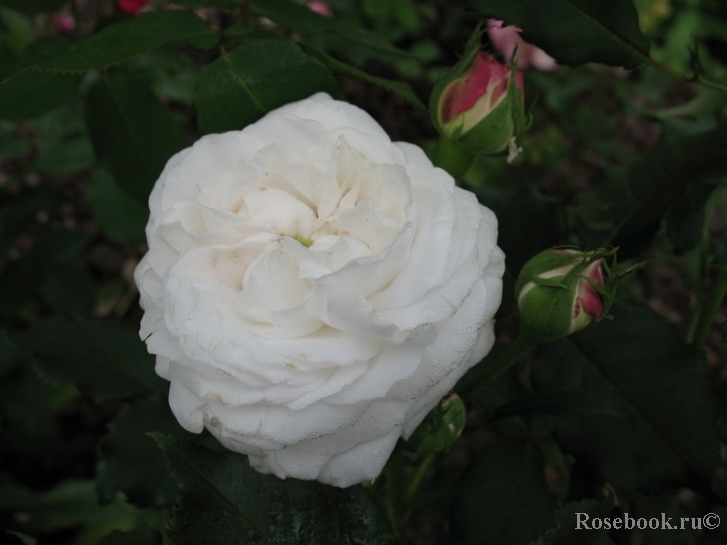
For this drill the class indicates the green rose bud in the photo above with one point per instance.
(561, 291)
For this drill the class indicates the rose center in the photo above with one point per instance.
(307, 242)
(281, 212)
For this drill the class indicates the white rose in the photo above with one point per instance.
(312, 289)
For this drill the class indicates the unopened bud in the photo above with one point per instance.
(560, 292)
(478, 105)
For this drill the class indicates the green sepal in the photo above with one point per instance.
(545, 261)
(549, 282)
(492, 135)
(545, 314)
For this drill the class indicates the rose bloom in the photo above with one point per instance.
(313, 289)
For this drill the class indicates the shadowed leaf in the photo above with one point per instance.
(257, 77)
(636, 363)
(133, 134)
(225, 502)
(123, 41)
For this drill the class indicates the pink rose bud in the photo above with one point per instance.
(479, 105)
(560, 292)
(320, 7)
(64, 22)
(132, 6)
(506, 38)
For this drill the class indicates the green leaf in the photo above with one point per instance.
(29, 95)
(12, 145)
(658, 181)
(575, 32)
(225, 502)
(24, 539)
(122, 41)
(502, 496)
(257, 77)
(120, 216)
(637, 363)
(133, 134)
(401, 88)
(64, 154)
(131, 462)
(310, 23)
(61, 140)
(105, 359)
(69, 504)
(32, 6)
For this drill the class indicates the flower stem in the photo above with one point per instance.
(511, 356)
(709, 310)
(415, 483)
(394, 474)
(452, 158)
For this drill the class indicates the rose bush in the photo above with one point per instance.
(312, 289)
